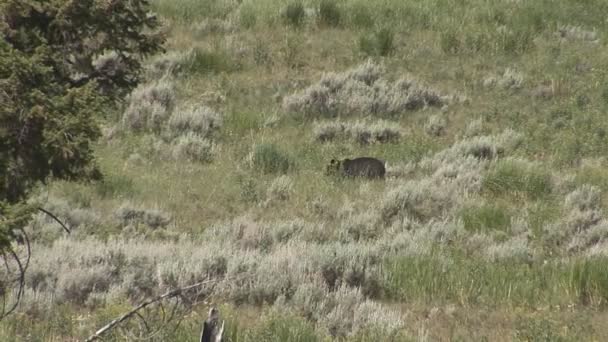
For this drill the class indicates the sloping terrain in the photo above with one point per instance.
(490, 115)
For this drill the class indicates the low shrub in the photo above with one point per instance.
(192, 147)
(199, 120)
(362, 132)
(294, 14)
(128, 214)
(436, 125)
(267, 158)
(362, 91)
(280, 189)
(149, 106)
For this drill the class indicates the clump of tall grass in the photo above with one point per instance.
(360, 15)
(329, 13)
(450, 43)
(247, 16)
(281, 189)
(518, 177)
(294, 14)
(515, 41)
(268, 158)
(485, 218)
(201, 61)
(149, 106)
(362, 91)
(378, 43)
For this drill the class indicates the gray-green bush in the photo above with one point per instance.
(362, 91)
(149, 106)
(193, 147)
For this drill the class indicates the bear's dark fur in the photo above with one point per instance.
(359, 167)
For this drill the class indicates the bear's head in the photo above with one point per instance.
(333, 167)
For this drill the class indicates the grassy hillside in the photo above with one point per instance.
(490, 115)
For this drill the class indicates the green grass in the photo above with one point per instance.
(267, 158)
(517, 178)
(486, 218)
(277, 48)
(469, 281)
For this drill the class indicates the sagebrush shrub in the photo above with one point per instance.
(193, 147)
(586, 197)
(80, 220)
(328, 131)
(128, 214)
(380, 131)
(76, 286)
(435, 125)
(149, 106)
(200, 120)
(362, 91)
(419, 200)
(362, 132)
(577, 33)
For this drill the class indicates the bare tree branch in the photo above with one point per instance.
(126, 316)
(55, 218)
(20, 281)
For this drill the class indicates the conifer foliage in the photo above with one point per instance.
(62, 64)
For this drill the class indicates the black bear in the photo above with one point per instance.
(358, 167)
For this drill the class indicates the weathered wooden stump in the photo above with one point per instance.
(212, 330)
